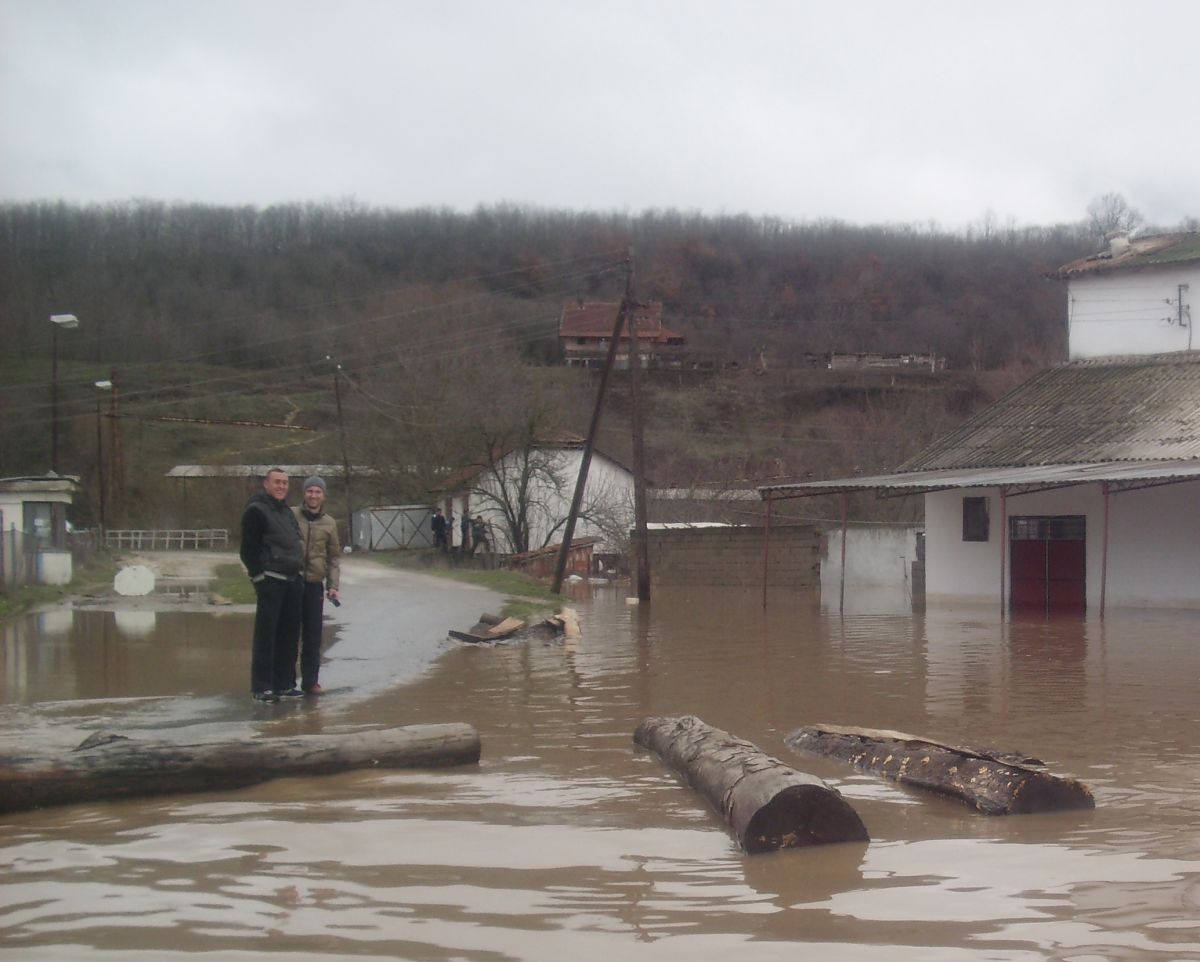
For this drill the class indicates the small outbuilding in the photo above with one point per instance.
(33, 529)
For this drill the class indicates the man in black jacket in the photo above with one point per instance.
(273, 555)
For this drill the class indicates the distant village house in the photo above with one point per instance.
(585, 331)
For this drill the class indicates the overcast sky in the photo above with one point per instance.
(869, 112)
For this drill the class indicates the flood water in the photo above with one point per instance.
(566, 842)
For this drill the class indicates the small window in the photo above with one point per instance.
(975, 519)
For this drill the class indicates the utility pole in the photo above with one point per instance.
(639, 458)
(337, 398)
(586, 461)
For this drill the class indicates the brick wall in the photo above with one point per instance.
(734, 556)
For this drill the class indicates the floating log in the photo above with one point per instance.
(995, 783)
(768, 805)
(116, 767)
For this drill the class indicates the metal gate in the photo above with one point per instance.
(393, 527)
(1049, 563)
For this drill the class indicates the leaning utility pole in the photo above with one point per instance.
(586, 461)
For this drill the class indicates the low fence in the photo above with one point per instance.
(168, 539)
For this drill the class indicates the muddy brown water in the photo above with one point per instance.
(567, 843)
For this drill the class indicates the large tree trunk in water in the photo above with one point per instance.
(995, 783)
(114, 767)
(768, 805)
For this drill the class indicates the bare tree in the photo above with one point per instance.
(1110, 212)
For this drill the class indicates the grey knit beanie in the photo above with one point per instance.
(315, 481)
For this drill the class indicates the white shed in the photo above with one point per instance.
(33, 529)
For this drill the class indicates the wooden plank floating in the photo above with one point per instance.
(995, 783)
(489, 628)
(107, 767)
(768, 805)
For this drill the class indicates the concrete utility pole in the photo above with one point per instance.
(639, 458)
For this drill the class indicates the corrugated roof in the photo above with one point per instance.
(1129, 421)
(260, 470)
(1120, 475)
(1097, 410)
(1153, 250)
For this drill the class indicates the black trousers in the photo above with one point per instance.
(276, 634)
(310, 633)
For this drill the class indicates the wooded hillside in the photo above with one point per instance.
(444, 327)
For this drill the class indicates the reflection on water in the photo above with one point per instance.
(565, 842)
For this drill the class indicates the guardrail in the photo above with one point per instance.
(168, 539)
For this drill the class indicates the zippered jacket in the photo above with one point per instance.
(322, 549)
(271, 544)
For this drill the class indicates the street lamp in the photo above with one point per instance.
(61, 322)
(103, 386)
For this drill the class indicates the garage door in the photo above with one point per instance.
(1048, 563)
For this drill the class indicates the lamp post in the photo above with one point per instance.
(61, 322)
(103, 386)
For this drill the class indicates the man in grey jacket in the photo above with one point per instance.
(322, 577)
(273, 555)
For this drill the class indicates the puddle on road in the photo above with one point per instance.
(565, 842)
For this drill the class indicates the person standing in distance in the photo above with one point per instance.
(273, 555)
(322, 575)
(439, 530)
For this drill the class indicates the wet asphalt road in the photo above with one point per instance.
(391, 626)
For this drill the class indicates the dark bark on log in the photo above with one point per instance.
(127, 768)
(995, 783)
(768, 805)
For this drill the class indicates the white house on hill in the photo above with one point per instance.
(1078, 490)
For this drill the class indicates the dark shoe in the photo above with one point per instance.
(313, 689)
(291, 693)
(266, 696)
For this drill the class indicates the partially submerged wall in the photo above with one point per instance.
(719, 555)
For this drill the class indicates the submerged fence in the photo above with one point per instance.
(168, 539)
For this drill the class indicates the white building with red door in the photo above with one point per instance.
(1080, 489)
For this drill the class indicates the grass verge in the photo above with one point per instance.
(92, 576)
(528, 598)
(230, 582)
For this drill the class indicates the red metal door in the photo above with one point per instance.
(1048, 567)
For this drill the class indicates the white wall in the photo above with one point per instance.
(878, 555)
(609, 490)
(879, 561)
(1153, 544)
(1132, 312)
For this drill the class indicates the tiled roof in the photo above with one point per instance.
(597, 318)
(1097, 410)
(1154, 250)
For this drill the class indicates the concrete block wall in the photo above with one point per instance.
(734, 556)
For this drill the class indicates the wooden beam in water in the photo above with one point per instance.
(118, 767)
(768, 805)
(995, 783)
